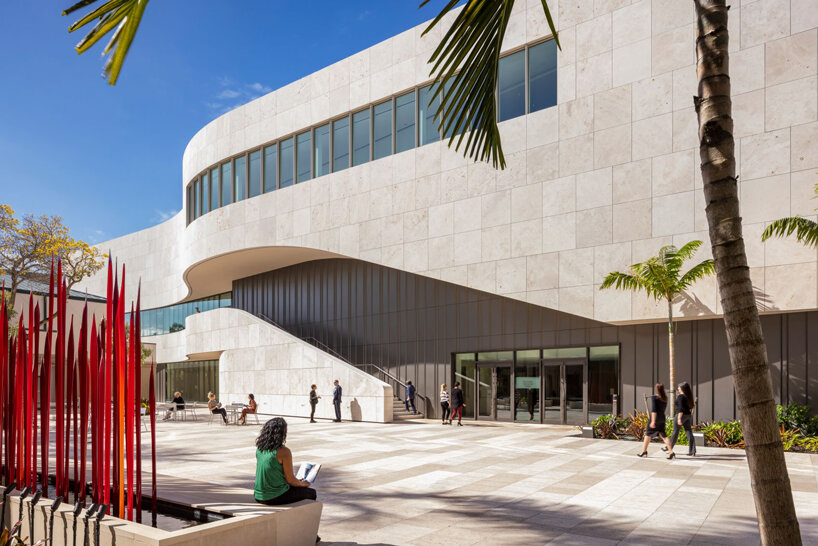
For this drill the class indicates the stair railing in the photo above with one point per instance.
(397, 384)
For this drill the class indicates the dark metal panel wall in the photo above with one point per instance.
(412, 325)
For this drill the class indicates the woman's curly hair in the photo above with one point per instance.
(272, 435)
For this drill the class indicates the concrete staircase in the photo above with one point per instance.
(399, 412)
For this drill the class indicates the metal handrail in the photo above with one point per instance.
(326, 348)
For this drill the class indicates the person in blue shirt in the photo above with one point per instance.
(410, 397)
(336, 400)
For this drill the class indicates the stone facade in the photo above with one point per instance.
(598, 182)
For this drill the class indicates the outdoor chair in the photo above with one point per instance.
(189, 409)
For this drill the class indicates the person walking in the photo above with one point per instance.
(313, 402)
(656, 424)
(444, 403)
(336, 400)
(682, 418)
(410, 397)
(457, 404)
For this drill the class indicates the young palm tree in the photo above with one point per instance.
(806, 231)
(470, 50)
(777, 522)
(661, 278)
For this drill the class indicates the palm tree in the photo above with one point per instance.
(806, 231)
(470, 50)
(660, 277)
(122, 17)
(777, 521)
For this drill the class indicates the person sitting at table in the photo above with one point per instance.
(214, 406)
(178, 403)
(251, 408)
(275, 481)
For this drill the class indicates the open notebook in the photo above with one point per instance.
(308, 472)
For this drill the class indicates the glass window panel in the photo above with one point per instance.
(427, 107)
(542, 76)
(501, 356)
(270, 168)
(511, 84)
(286, 173)
(205, 193)
(340, 144)
(382, 130)
(227, 186)
(321, 150)
(464, 374)
(214, 188)
(603, 382)
(190, 202)
(360, 137)
(527, 386)
(405, 122)
(254, 185)
(304, 156)
(573, 352)
(454, 82)
(196, 192)
(240, 178)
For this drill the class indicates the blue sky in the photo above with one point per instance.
(109, 159)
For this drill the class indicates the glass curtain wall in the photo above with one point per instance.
(227, 186)
(527, 82)
(527, 386)
(321, 151)
(511, 86)
(382, 130)
(603, 380)
(464, 374)
(193, 379)
(166, 320)
(542, 76)
(270, 168)
(254, 182)
(240, 178)
(286, 174)
(214, 188)
(360, 137)
(303, 156)
(340, 144)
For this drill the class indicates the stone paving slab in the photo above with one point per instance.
(419, 483)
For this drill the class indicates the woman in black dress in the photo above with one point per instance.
(656, 425)
(682, 417)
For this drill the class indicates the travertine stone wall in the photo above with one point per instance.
(600, 181)
(278, 368)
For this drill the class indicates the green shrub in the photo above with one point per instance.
(607, 427)
(637, 423)
(682, 439)
(723, 434)
(807, 443)
(797, 416)
(789, 438)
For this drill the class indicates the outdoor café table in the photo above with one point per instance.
(234, 410)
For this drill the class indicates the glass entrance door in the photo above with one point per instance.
(564, 392)
(494, 391)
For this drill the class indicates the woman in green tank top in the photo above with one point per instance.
(275, 482)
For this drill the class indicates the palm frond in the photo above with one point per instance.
(689, 250)
(806, 231)
(122, 17)
(622, 281)
(698, 271)
(470, 51)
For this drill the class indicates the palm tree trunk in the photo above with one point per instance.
(671, 391)
(777, 521)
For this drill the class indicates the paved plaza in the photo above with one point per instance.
(422, 483)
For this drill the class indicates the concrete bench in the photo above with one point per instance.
(252, 524)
